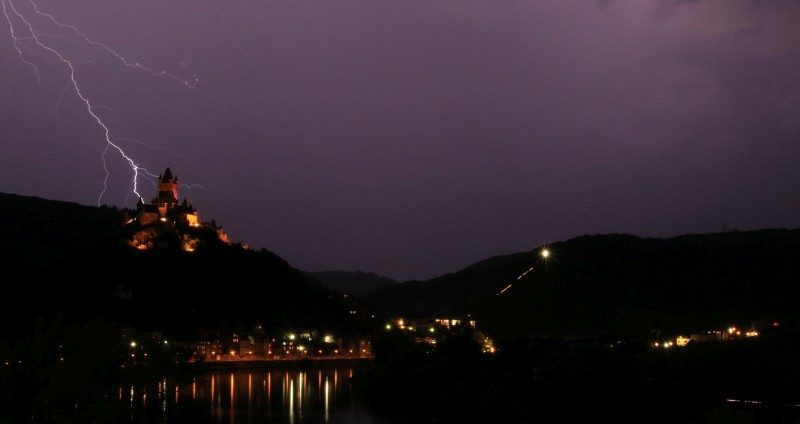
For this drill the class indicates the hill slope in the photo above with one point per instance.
(618, 284)
(355, 283)
(73, 258)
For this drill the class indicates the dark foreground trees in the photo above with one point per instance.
(76, 372)
(554, 381)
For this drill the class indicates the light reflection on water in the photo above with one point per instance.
(253, 396)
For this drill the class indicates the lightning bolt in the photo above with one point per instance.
(162, 73)
(17, 42)
(29, 38)
(240, 45)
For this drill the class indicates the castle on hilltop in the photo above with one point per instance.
(165, 206)
(167, 210)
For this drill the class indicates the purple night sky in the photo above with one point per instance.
(413, 138)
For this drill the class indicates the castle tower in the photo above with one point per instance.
(168, 213)
(166, 207)
(167, 189)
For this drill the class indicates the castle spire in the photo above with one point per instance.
(167, 188)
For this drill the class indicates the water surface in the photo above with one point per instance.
(274, 395)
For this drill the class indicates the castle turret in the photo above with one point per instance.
(167, 206)
(167, 188)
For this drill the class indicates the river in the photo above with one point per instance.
(317, 394)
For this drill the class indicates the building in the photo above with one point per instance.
(165, 206)
(166, 213)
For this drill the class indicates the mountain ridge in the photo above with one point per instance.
(616, 283)
(591, 285)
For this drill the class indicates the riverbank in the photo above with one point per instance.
(259, 364)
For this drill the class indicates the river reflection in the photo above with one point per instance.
(253, 396)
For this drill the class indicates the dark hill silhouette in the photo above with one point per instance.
(356, 283)
(68, 259)
(618, 284)
(73, 261)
